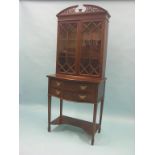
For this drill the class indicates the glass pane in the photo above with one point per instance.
(90, 50)
(67, 47)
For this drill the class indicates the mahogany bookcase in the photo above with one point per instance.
(80, 64)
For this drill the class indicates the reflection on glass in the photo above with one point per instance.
(67, 47)
(90, 48)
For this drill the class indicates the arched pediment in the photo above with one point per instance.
(73, 10)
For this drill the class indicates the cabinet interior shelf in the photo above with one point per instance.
(67, 39)
(83, 58)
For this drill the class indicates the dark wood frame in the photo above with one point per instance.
(76, 87)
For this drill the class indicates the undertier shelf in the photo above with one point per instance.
(85, 125)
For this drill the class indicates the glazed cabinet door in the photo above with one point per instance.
(91, 39)
(67, 47)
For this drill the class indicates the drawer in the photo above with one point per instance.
(79, 86)
(56, 92)
(79, 97)
(54, 83)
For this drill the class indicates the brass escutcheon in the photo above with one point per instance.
(82, 97)
(57, 92)
(58, 83)
(83, 87)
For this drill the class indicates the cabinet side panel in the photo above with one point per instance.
(100, 90)
(57, 47)
(105, 42)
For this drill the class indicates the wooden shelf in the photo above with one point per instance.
(68, 56)
(85, 125)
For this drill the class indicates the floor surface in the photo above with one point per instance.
(116, 137)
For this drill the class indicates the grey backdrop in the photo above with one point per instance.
(38, 34)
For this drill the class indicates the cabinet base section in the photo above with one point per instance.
(85, 125)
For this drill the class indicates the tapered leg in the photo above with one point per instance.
(94, 123)
(101, 112)
(49, 113)
(61, 107)
(101, 109)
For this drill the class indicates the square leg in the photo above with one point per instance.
(94, 123)
(49, 113)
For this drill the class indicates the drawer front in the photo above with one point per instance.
(79, 97)
(54, 83)
(85, 97)
(56, 92)
(73, 90)
(79, 87)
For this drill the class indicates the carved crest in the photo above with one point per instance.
(73, 10)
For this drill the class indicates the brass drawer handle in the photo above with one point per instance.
(83, 87)
(82, 97)
(57, 92)
(58, 83)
